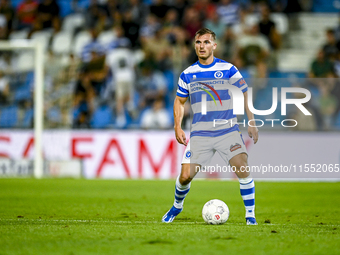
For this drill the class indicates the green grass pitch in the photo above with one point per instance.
(65, 216)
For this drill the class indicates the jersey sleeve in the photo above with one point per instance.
(183, 86)
(237, 80)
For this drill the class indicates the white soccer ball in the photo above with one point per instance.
(215, 212)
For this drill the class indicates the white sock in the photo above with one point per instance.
(247, 188)
(180, 193)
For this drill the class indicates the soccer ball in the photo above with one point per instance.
(215, 212)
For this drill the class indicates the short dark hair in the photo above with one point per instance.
(204, 31)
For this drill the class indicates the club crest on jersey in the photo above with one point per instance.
(188, 154)
(235, 147)
(218, 75)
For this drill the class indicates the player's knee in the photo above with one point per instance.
(240, 161)
(185, 178)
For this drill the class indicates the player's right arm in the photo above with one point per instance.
(178, 117)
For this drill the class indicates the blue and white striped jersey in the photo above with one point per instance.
(198, 81)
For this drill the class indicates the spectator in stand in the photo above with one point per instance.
(215, 24)
(328, 106)
(252, 53)
(82, 120)
(83, 98)
(48, 13)
(114, 12)
(158, 48)
(27, 13)
(157, 117)
(321, 66)
(97, 15)
(138, 9)
(120, 41)
(4, 89)
(228, 45)
(150, 27)
(171, 19)
(191, 22)
(159, 8)
(331, 48)
(206, 9)
(228, 12)
(253, 48)
(241, 27)
(122, 66)
(180, 49)
(179, 6)
(131, 28)
(97, 71)
(151, 83)
(92, 46)
(268, 29)
(8, 12)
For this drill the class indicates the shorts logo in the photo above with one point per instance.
(188, 154)
(218, 75)
(235, 147)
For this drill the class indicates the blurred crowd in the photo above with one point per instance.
(324, 73)
(115, 64)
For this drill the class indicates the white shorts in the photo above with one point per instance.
(201, 149)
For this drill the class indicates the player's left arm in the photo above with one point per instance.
(253, 132)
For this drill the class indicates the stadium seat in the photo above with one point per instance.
(54, 115)
(21, 94)
(15, 3)
(20, 34)
(43, 37)
(326, 6)
(8, 117)
(65, 7)
(62, 43)
(28, 118)
(72, 22)
(102, 117)
(23, 91)
(106, 37)
(80, 40)
(25, 61)
(83, 4)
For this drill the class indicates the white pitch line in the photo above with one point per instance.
(159, 222)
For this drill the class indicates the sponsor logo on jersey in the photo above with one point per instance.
(188, 154)
(218, 75)
(235, 147)
(211, 88)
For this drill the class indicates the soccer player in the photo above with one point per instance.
(201, 82)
